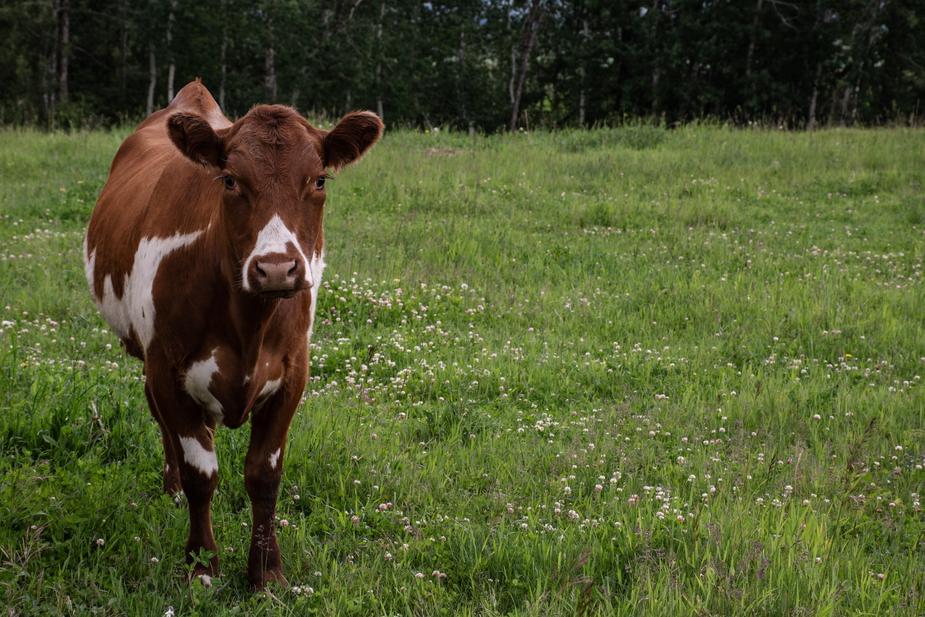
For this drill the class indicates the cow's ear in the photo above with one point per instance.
(193, 136)
(351, 138)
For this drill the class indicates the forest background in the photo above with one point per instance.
(477, 65)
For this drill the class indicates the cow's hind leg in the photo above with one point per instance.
(171, 470)
(263, 469)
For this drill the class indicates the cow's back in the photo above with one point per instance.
(155, 203)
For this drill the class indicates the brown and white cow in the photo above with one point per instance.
(204, 255)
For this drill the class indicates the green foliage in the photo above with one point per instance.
(440, 63)
(634, 372)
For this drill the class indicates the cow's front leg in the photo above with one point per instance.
(198, 464)
(193, 446)
(263, 468)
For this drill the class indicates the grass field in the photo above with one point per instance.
(625, 372)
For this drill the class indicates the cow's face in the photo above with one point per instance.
(272, 167)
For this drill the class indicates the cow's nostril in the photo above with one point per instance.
(295, 266)
(260, 271)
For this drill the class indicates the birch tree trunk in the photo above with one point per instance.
(811, 121)
(531, 29)
(269, 63)
(50, 75)
(460, 66)
(379, 52)
(582, 95)
(64, 47)
(123, 47)
(752, 41)
(171, 67)
(152, 78)
(656, 53)
(269, 67)
(223, 58)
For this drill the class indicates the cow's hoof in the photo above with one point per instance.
(204, 579)
(204, 573)
(259, 582)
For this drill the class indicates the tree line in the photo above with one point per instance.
(470, 64)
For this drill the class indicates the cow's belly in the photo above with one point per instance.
(226, 389)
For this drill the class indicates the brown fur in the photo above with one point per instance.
(167, 179)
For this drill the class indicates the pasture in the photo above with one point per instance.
(618, 372)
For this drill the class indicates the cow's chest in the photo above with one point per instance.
(226, 386)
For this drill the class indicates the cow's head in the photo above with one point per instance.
(272, 167)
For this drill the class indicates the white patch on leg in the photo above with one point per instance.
(269, 389)
(274, 458)
(197, 381)
(316, 267)
(135, 309)
(273, 238)
(197, 456)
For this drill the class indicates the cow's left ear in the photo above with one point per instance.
(351, 138)
(193, 136)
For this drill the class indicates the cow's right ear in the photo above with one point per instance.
(193, 136)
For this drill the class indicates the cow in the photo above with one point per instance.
(204, 254)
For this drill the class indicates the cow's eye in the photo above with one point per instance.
(319, 182)
(230, 183)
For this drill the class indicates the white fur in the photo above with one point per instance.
(197, 456)
(135, 309)
(89, 267)
(273, 238)
(274, 458)
(269, 388)
(316, 267)
(196, 383)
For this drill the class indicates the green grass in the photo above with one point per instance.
(623, 372)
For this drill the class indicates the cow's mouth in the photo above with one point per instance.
(277, 294)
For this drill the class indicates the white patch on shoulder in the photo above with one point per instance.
(196, 383)
(273, 238)
(135, 309)
(316, 267)
(197, 456)
(274, 458)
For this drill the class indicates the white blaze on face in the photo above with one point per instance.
(316, 267)
(135, 309)
(194, 454)
(196, 383)
(273, 238)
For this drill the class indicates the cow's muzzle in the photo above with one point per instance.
(277, 275)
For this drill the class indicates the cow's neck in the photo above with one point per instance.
(249, 314)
